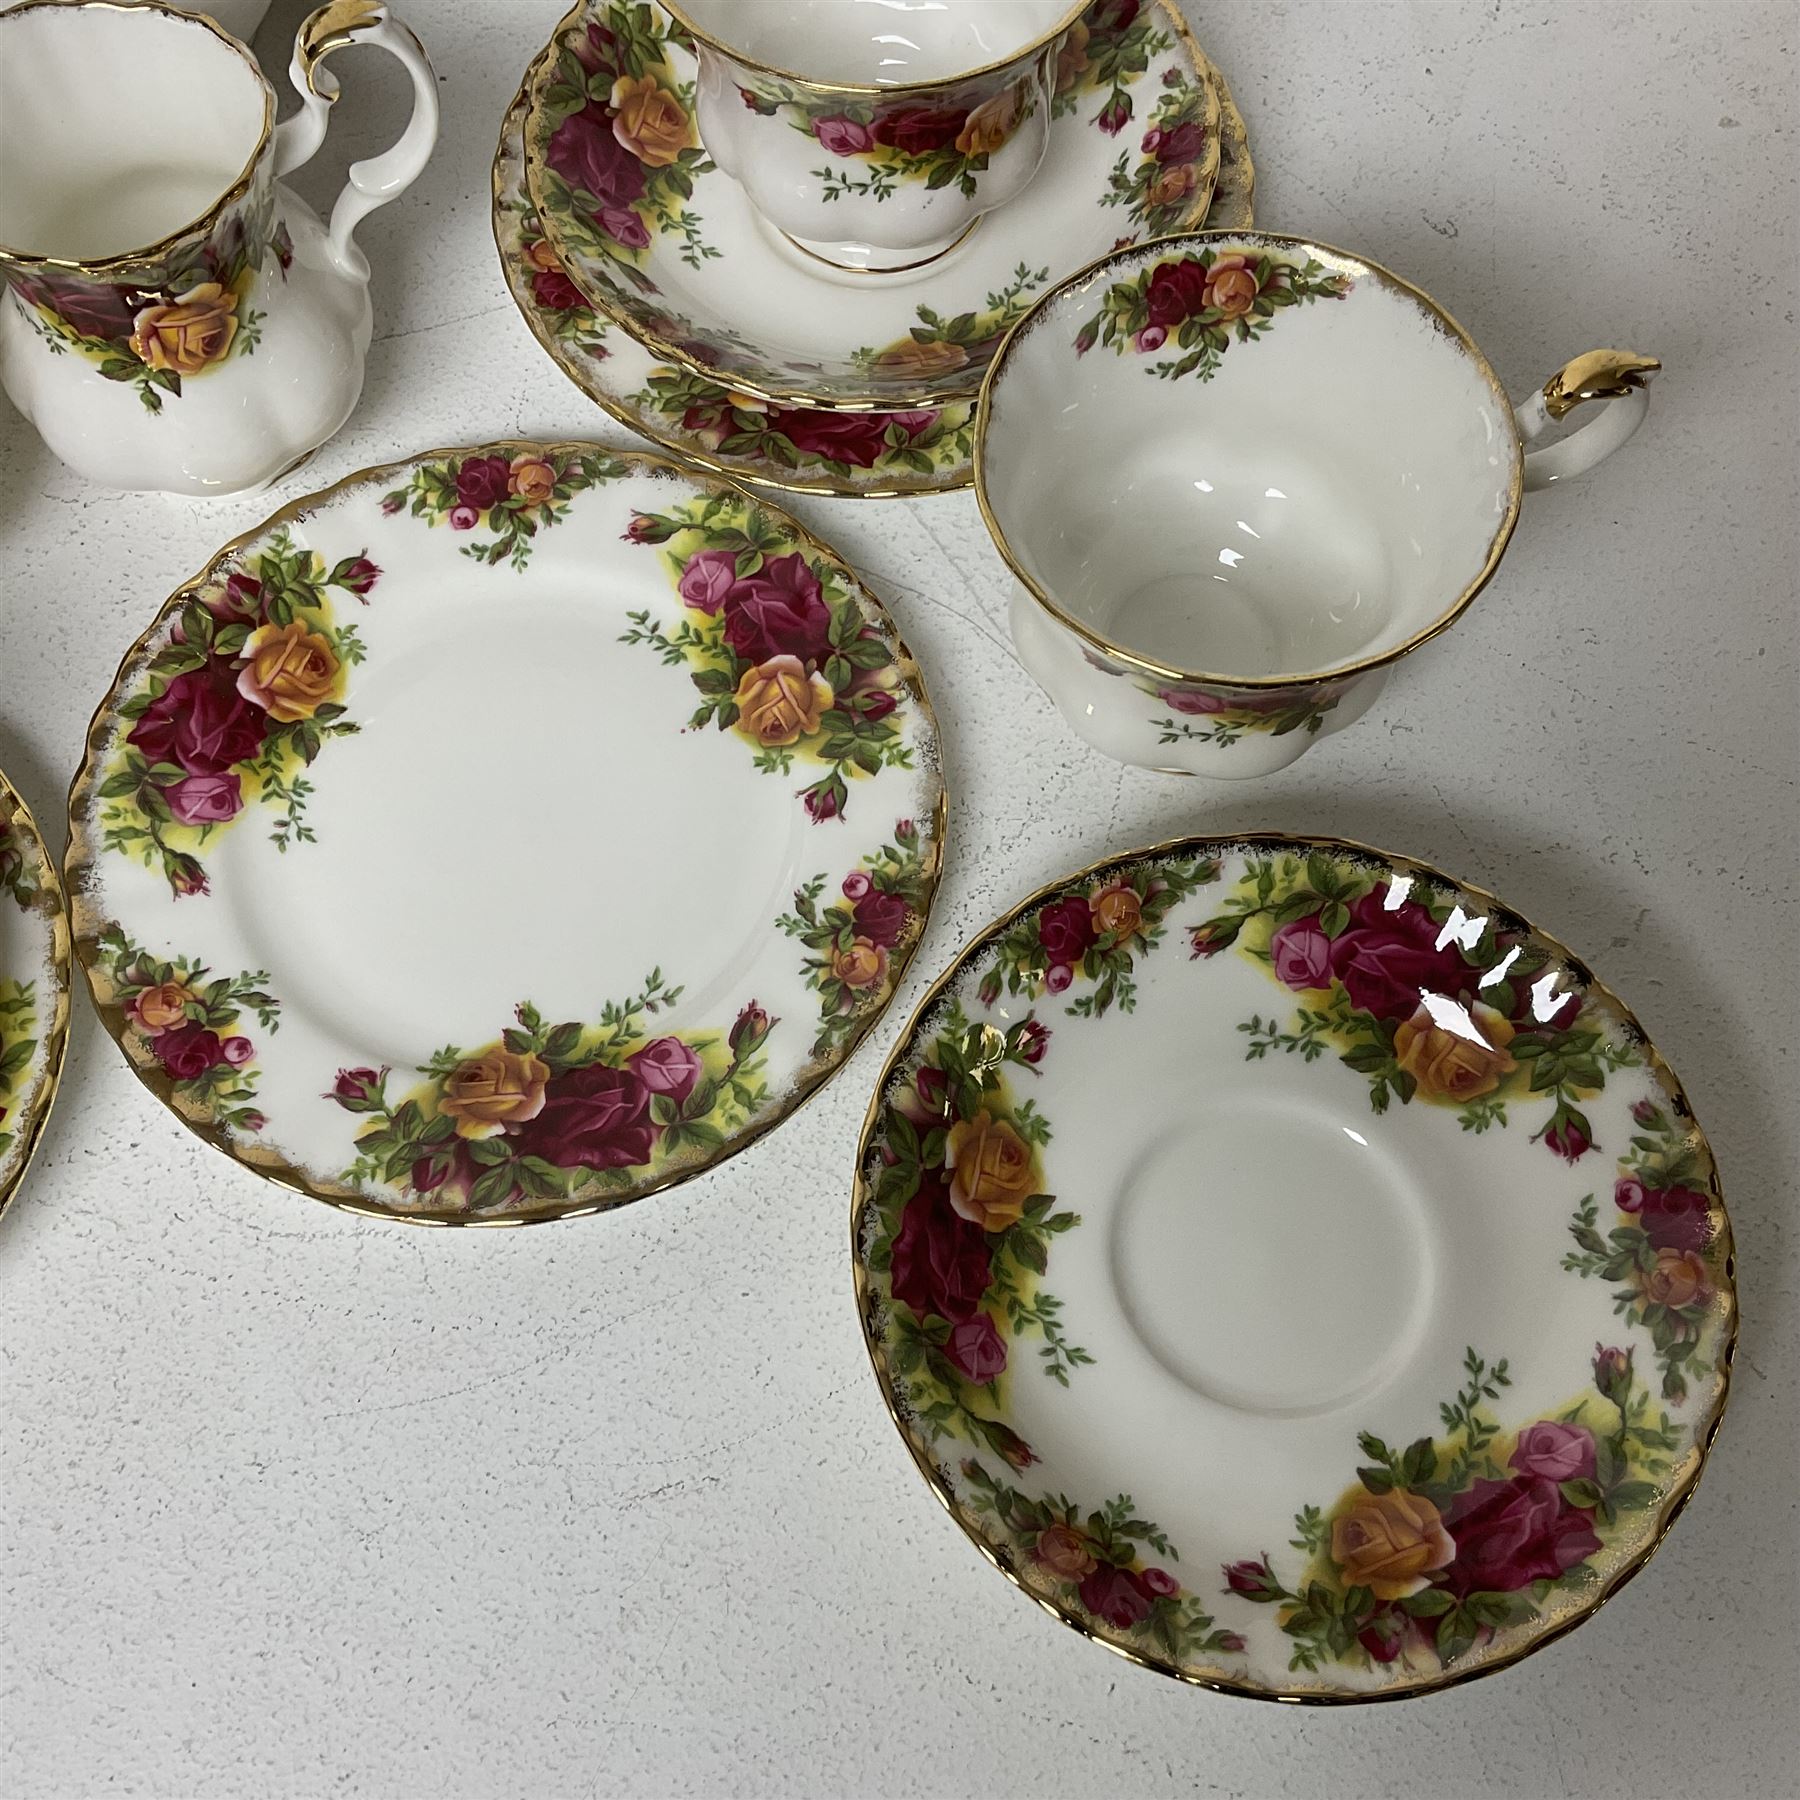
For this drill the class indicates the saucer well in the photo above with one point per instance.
(1292, 1269)
(34, 986)
(921, 450)
(670, 247)
(505, 833)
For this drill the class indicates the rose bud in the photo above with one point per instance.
(647, 528)
(1252, 1580)
(1034, 1040)
(905, 832)
(1647, 1113)
(1612, 1372)
(747, 1035)
(1569, 1134)
(185, 874)
(357, 574)
(856, 885)
(1212, 937)
(1232, 1641)
(359, 1090)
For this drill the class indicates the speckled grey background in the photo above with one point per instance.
(296, 1504)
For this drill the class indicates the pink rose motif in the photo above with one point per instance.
(1509, 1534)
(843, 136)
(915, 422)
(941, 1263)
(237, 1051)
(857, 885)
(584, 152)
(1057, 977)
(201, 723)
(204, 799)
(976, 1348)
(708, 578)
(1192, 700)
(1152, 337)
(1158, 1581)
(1555, 1452)
(667, 1066)
(1066, 929)
(624, 227)
(1302, 954)
(594, 1118)
(1111, 1594)
(464, 518)
(778, 611)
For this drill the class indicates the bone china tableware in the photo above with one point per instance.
(861, 454)
(874, 141)
(506, 833)
(34, 986)
(178, 318)
(1310, 470)
(656, 237)
(1292, 1269)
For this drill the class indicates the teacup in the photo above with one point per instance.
(176, 318)
(1238, 476)
(874, 134)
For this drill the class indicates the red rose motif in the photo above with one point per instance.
(1114, 17)
(1675, 1218)
(918, 130)
(1066, 930)
(1177, 289)
(1180, 144)
(1509, 1534)
(880, 917)
(188, 1051)
(778, 611)
(941, 1263)
(1387, 959)
(593, 1118)
(481, 482)
(1158, 1581)
(1115, 1596)
(555, 292)
(96, 309)
(201, 723)
(584, 152)
(667, 1066)
(976, 1348)
(854, 438)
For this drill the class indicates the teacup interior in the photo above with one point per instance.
(876, 42)
(117, 127)
(1329, 490)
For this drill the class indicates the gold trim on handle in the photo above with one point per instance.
(1600, 375)
(332, 27)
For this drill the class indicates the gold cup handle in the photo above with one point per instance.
(1615, 376)
(377, 179)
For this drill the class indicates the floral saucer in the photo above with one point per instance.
(34, 986)
(657, 238)
(1293, 1270)
(852, 455)
(505, 833)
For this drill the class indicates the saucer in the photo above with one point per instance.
(34, 986)
(1292, 1269)
(660, 240)
(872, 455)
(504, 834)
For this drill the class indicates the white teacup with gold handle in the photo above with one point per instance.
(1239, 475)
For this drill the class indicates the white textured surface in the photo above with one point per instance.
(292, 1503)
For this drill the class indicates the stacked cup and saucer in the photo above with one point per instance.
(785, 239)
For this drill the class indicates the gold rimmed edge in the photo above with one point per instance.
(204, 225)
(813, 85)
(53, 906)
(84, 918)
(1359, 266)
(671, 352)
(1705, 1431)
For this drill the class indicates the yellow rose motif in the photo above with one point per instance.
(190, 335)
(288, 671)
(1455, 1064)
(541, 256)
(650, 121)
(991, 1176)
(1390, 1543)
(1065, 1552)
(910, 357)
(779, 703)
(1676, 1279)
(532, 479)
(1174, 183)
(1071, 56)
(489, 1092)
(163, 1007)
(1117, 909)
(990, 124)
(861, 965)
